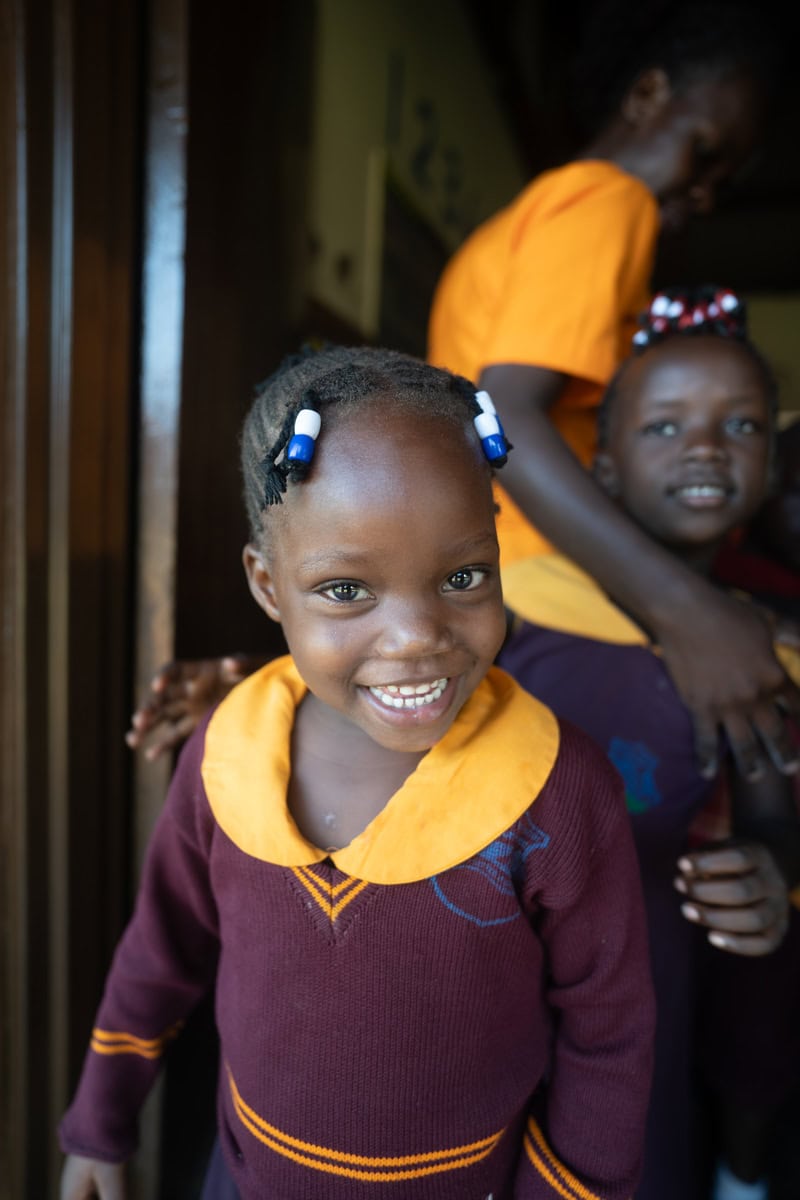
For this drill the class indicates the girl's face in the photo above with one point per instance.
(689, 442)
(382, 568)
(691, 141)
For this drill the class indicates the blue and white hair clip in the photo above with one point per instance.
(489, 429)
(301, 444)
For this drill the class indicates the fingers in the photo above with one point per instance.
(755, 946)
(235, 668)
(168, 737)
(753, 740)
(730, 873)
(86, 1179)
(180, 694)
(773, 734)
(786, 632)
(746, 749)
(706, 747)
(151, 716)
(754, 930)
(738, 894)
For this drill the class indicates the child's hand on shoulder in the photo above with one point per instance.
(180, 695)
(736, 891)
(748, 695)
(91, 1179)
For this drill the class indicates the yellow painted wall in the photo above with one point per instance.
(400, 87)
(775, 329)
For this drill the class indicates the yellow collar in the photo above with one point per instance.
(552, 591)
(466, 791)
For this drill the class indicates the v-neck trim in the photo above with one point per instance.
(466, 791)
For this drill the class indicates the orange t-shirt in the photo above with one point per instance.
(555, 280)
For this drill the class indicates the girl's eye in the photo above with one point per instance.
(465, 580)
(661, 429)
(345, 592)
(743, 425)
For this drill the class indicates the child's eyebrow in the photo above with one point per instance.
(338, 556)
(756, 395)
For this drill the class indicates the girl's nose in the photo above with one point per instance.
(704, 444)
(413, 631)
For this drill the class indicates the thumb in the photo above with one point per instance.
(233, 669)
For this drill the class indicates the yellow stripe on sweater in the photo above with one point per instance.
(323, 894)
(551, 1168)
(359, 1166)
(104, 1041)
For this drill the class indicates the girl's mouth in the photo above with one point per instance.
(409, 696)
(702, 495)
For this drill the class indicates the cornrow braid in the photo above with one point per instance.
(703, 311)
(323, 382)
(278, 465)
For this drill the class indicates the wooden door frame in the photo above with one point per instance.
(69, 215)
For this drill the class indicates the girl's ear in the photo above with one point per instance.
(605, 472)
(647, 96)
(259, 578)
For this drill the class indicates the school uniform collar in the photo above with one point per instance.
(553, 592)
(466, 791)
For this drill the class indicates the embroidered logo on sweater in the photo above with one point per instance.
(637, 765)
(483, 890)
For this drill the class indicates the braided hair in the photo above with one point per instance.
(690, 40)
(334, 379)
(688, 312)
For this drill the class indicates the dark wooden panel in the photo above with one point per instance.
(69, 147)
(250, 91)
(14, 882)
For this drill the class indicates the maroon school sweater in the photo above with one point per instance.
(457, 1005)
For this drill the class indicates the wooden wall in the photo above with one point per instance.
(68, 141)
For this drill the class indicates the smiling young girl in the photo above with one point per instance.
(414, 890)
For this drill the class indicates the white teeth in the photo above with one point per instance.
(704, 489)
(407, 696)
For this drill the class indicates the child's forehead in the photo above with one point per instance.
(687, 364)
(421, 460)
(387, 424)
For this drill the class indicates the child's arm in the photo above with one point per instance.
(739, 889)
(181, 693)
(587, 1140)
(164, 963)
(88, 1178)
(694, 624)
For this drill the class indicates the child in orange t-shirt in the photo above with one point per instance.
(540, 301)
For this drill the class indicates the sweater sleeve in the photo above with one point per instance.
(164, 963)
(587, 1139)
